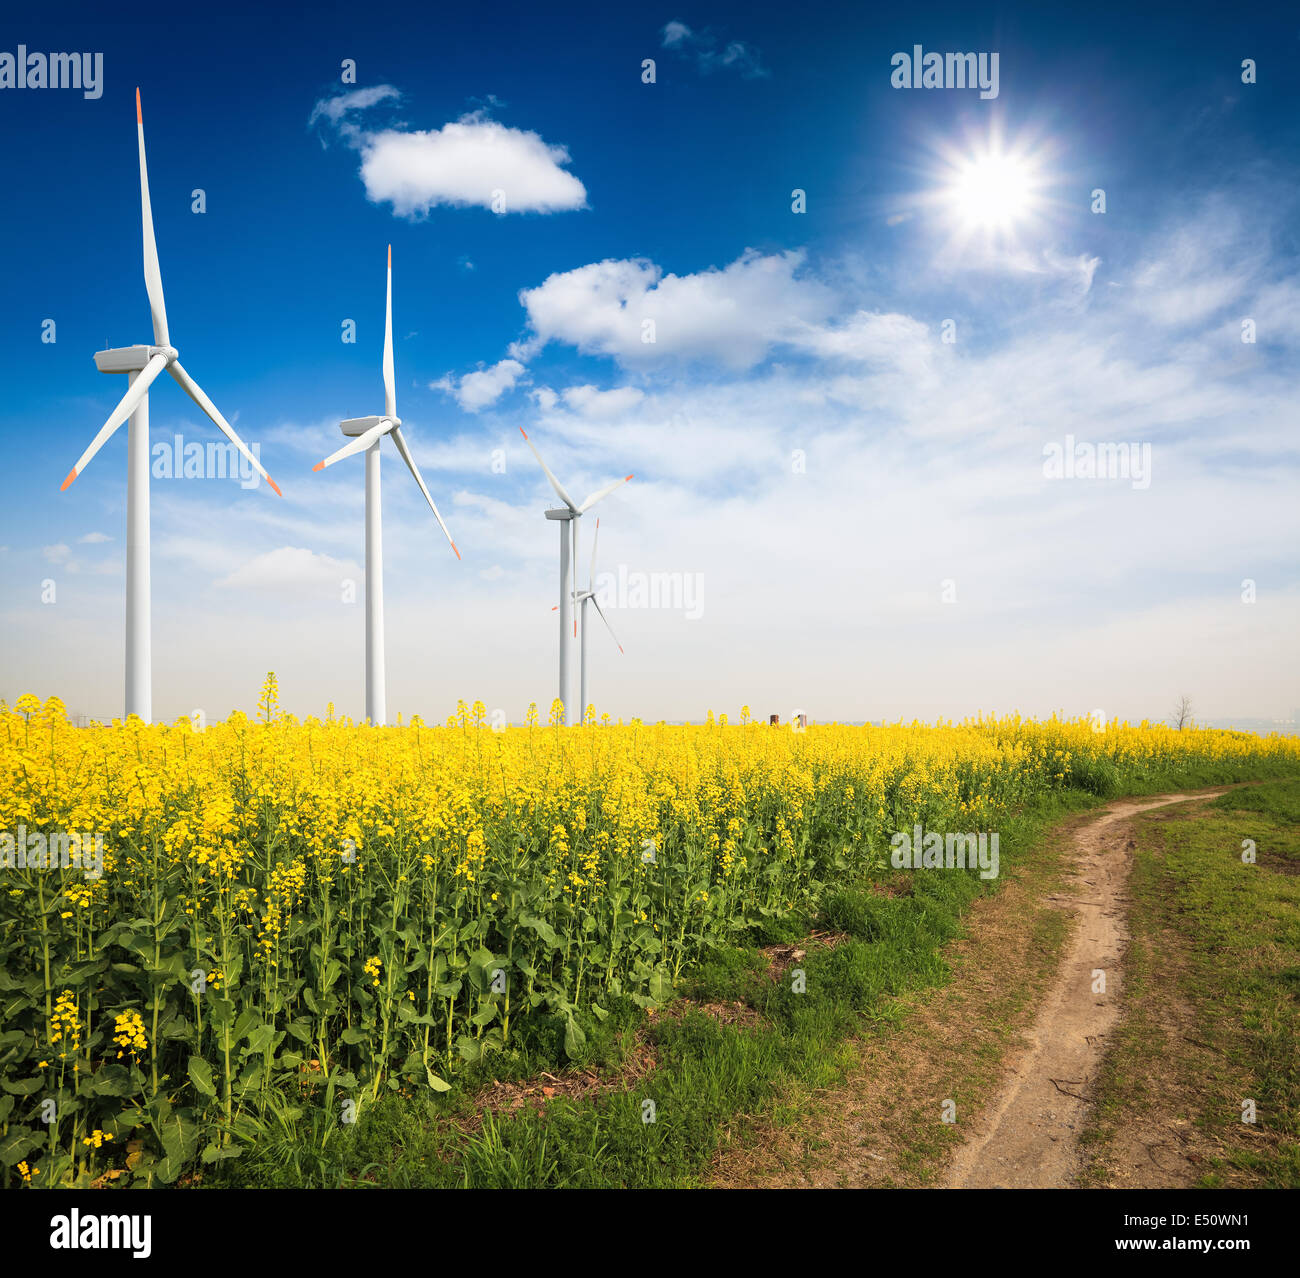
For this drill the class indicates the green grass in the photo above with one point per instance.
(1219, 939)
(707, 1073)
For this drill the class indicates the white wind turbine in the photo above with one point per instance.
(142, 364)
(367, 433)
(568, 551)
(584, 597)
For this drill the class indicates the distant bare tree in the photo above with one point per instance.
(1183, 714)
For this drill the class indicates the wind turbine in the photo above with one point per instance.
(569, 515)
(366, 434)
(585, 597)
(142, 364)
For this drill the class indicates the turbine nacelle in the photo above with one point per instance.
(131, 359)
(355, 426)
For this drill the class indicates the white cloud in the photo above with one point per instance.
(732, 316)
(465, 164)
(1072, 274)
(336, 109)
(290, 569)
(1077, 271)
(61, 556)
(93, 539)
(1275, 308)
(477, 390)
(703, 47)
(873, 337)
(1197, 269)
(474, 161)
(591, 402)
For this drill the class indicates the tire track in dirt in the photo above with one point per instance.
(1028, 1136)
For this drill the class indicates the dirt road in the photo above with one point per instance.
(1028, 1136)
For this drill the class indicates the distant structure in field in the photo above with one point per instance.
(798, 718)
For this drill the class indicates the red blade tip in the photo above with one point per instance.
(274, 485)
(139, 116)
(629, 477)
(320, 465)
(72, 474)
(453, 546)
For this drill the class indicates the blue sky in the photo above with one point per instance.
(916, 561)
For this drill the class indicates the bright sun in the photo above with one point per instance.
(994, 191)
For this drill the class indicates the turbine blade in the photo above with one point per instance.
(603, 493)
(195, 392)
(125, 407)
(415, 471)
(390, 392)
(555, 483)
(591, 576)
(605, 619)
(357, 444)
(152, 275)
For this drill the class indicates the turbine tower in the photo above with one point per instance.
(584, 598)
(568, 520)
(142, 364)
(366, 434)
